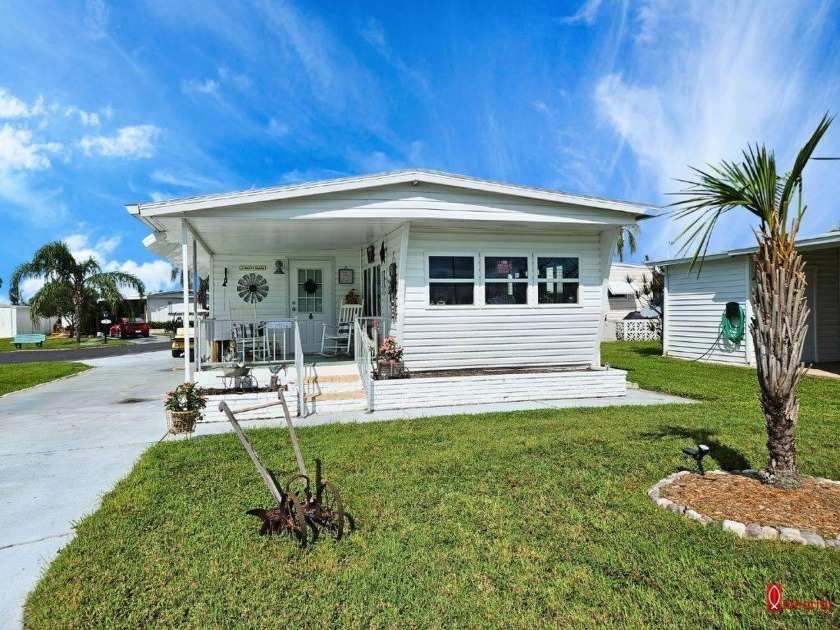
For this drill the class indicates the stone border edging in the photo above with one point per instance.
(755, 531)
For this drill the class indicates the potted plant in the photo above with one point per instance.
(184, 405)
(390, 358)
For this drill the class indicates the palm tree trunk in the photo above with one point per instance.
(78, 304)
(778, 331)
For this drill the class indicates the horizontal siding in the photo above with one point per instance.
(694, 306)
(482, 336)
(824, 265)
(276, 303)
(465, 390)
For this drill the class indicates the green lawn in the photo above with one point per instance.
(61, 343)
(526, 519)
(23, 375)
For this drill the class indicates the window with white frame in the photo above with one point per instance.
(451, 280)
(505, 280)
(558, 280)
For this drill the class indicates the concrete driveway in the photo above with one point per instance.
(64, 444)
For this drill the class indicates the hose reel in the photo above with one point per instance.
(732, 322)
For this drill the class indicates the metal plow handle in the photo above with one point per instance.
(292, 434)
(275, 491)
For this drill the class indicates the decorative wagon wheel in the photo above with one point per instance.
(252, 287)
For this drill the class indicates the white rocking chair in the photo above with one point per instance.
(337, 338)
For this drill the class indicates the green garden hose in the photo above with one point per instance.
(734, 333)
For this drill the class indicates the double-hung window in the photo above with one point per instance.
(505, 280)
(558, 280)
(451, 280)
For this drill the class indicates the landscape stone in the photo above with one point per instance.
(749, 472)
(753, 530)
(682, 473)
(833, 543)
(735, 527)
(791, 534)
(678, 509)
(769, 533)
(706, 520)
(653, 493)
(664, 503)
(694, 516)
(813, 539)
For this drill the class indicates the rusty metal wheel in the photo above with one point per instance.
(297, 519)
(330, 515)
(299, 485)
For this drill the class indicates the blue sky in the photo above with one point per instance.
(103, 104)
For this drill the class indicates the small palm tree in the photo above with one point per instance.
(778, 287)
(81, 283)
(627, 240)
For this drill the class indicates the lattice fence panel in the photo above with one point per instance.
(638, 330)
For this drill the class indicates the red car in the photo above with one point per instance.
(127, 328)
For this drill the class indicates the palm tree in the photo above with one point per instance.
(81, 283)
(627, 240)
(778, 288)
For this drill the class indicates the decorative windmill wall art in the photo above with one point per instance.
(252, 287)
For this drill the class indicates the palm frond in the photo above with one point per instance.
(753, 184)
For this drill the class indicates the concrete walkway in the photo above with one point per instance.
(64, 445)
(634, 397)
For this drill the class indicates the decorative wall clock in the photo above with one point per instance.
(252, 287)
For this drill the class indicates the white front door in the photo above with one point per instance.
(311, 300)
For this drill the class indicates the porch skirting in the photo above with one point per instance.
(413, 393)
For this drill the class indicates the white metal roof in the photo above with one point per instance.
(408, 176)
(828, 239)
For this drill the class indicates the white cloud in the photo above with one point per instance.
(129, 143)
(586, 13)
(19, 152)
(183, 179)
(199, 86)
(13, 107)
(714, 77)
(277, 128)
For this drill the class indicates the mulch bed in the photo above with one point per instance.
(815, 507)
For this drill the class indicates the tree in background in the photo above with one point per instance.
(627, 240)
(203, 284)
(72, 286)
(778, 287)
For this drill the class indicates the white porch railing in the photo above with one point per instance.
(262, 342)
(366, 335)
(638, 330)
(300, 371)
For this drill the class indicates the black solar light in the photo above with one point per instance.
(697, 454)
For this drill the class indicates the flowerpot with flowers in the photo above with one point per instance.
(389, 361)
(184, 405)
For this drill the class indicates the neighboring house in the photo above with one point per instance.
(465, 273)
(166, 306)
(694, 304)
(17, 320)
(625, 280)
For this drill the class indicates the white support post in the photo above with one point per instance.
(185, 265)
(196, 282)
(608, 241)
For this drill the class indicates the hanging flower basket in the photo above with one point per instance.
(184, 405)
(181, 421)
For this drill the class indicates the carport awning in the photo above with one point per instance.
(621, 287)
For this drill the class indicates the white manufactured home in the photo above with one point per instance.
(695, 304)
(494, 291)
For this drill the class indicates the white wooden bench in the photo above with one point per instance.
(37, 339)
